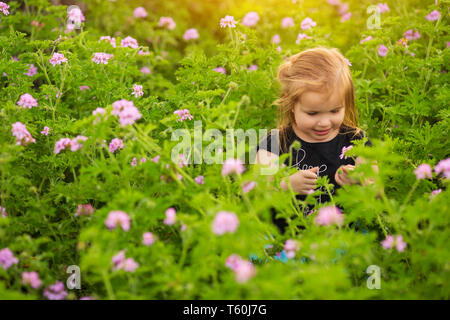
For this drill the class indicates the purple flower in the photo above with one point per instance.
(199, 180)
(434, 15)
(127, 112)
(291, 246)
(253, 67)
(248, 186)
(140, 12)
(3, 212)
(137, 90)
(31, 278)
(32, 71)
(276, 39)
(423, 171)
(228, 21)
(191, 34)
(84, 210)
(115, 144)
(383, 7)
(19, 130)
(57, 58)
(27, 101)
(250, 19)
(55, 291)
(225, 222)
(148, 238)
(382, 50)
(129, 42)
(112, 41)
(220, 69)
(287, 22)
(301, 36)
(307, 23)
(243, 269)
(366, 39)
(7, 258)
(183, 114)
(118, 218)
(4, 8)
(101, 57)
(344, 150)
(232, 165)
(145, 70)
(170, 217)
(443, 167)
(167, 22)
(329, 215)
(390, 241)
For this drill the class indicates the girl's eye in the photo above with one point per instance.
(311, 113)
(335, 111)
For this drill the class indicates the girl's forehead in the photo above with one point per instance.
(317, 99)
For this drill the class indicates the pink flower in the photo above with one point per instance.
(307, 23)
(287, 22)
(225, 222)
(366, 39)
(410, 35)
(382, 50)
(434, 15)
(250, 19)
(84, 210)
(27, 101)
(343, 8)
(334, 2)
(83, 88)
(344, 150)
(55, 291)
(7, 258)
(383, 7)
(243, 269)
(129, 265)
(76, 16)
(329, 215)
(19, 130)
(61, 144)
(389, 242)
(346, 16)
(32, 71)
(137, 90)
(228, 21)
(183, 115)
(276, 39)
(120, 262)
(45, 131)
(75, 143)
(145, 70)
(248, 186)
(101, 57)
(301, 36)
(129, 42)
(156, 159)
(143, 53)
(199, 180)
(170, 216)
(118, 218)
(291, 246)
(232, 165)
(167, 22)
(115, 144)
(348, 62)
(220, 69)
(423, 171)
(143, 160)
(433, 194)
(4, 8)
(278, 49)
(57, 58)
(3, 212)
(31, 278)
(140, 12)
(112, 41)
(253, 67)
(127, 112)
(182, 161)
(99, 110)
(148, 238)
(134, 162)
(191, 34)
(443, 167)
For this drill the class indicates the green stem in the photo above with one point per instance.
(108, 286)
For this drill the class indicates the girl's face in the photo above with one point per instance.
(318, 117)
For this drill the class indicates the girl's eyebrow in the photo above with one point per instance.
(334, 108)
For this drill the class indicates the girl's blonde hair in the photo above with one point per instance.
(318, 69)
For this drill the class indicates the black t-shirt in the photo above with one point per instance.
(325, 155)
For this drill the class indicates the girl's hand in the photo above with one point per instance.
(303, 181)
(341, 175)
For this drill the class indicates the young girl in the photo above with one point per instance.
(317, 108)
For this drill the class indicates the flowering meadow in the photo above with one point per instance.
(92, 92)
